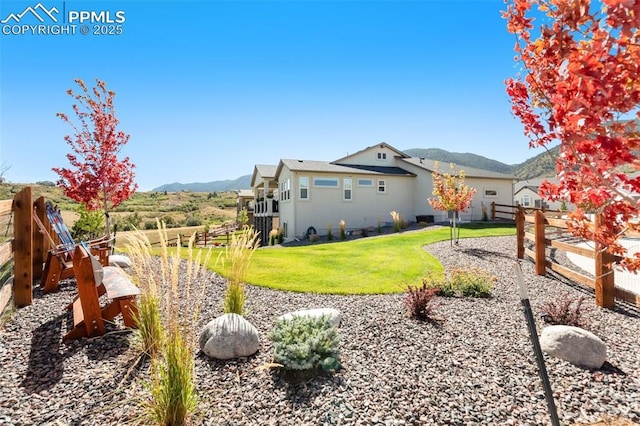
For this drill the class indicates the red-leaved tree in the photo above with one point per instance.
(97, 178)
(580, 86)
(451, 194)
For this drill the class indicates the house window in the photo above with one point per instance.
(304, 188)
(285, 229)
(382, 185)
(526, 201)
(348, 189)
(382, 156)
(365, 182)
(285, 190)
(325, 182)
(490, 193)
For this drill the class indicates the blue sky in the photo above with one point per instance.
(208, 89)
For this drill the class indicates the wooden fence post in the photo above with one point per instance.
(520, 221)
(40, 245)
(493, 210)
(541, 267)
(23, 247)
(604, 282)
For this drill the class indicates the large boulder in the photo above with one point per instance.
(575, 345)
(333, 315)
(229, 336)
(119, 260)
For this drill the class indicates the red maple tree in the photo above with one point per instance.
(451, 194)
(580, 86)
(97, 178)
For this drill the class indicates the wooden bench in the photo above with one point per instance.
(94, 280)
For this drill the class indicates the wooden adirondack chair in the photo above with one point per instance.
(59, 262)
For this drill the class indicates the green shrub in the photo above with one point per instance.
(329, 233)
(364, 232)
(305, 343)
(473, 282)
(443, 286)
(193, 221)
(419, 301)
(150, 225)
(565, 310)
(90, 224)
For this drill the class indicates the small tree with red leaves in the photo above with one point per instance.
(451, 195)
(580, 86)
(97, 178)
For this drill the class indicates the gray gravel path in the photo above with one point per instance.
(475, 367)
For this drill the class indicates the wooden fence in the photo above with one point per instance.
(6, 253)
(542, 230)
(206, 239)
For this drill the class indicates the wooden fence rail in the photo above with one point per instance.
(6, 254)
(541, 227)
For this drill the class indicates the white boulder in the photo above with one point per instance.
(575, 345)
(229, 336)
(119, 260)
(333, 315)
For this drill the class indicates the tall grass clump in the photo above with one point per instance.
(343, 230)
(329, 232)
(168, 311)
(399, 223)
(273, 237)
(238, 254)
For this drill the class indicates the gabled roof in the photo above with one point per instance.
(471, 172)
(529, 187)
(326, 167)
(265, 170)
(378, 145)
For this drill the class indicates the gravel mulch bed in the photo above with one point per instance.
(475, 366)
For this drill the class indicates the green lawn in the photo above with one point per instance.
(375, 265)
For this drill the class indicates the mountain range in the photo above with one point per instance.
(542, 165)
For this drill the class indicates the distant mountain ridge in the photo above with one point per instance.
(542, 165)
(243, 182)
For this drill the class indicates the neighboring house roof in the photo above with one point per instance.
(535, 182)
(326, 167)
(378, 145)
(265, 170)
(430, 165)
(245, 193)
(529, 187)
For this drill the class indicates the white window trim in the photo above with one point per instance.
(337, 185)
(485, 190)
(308, 197)
(344, 189)
(365, 186)
(384, 186)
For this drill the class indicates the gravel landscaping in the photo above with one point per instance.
(473, 366)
